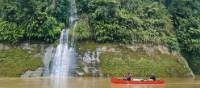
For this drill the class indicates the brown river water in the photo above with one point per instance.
(90, 83)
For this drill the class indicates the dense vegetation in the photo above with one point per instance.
(34, 20)
(173, 23)
(186, 20)
(129, 21)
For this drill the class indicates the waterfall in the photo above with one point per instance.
(64, 58)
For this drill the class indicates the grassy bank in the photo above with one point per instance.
(15, 61)
(116, 64)
(115, 60)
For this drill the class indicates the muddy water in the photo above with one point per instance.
(89, 83)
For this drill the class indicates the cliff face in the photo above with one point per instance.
(139, 59)
(17, 59)
(95, 60)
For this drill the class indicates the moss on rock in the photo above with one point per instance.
(140, 60)
(15, 61)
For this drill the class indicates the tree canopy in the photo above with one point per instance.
(174, 23)
(31, 20)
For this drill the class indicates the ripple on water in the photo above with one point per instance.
(88, 83)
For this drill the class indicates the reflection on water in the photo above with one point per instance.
(88, 83)
(59, 82)
(136, 86)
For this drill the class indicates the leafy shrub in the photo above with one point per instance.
(81, 30)
(128, 21)
(9, 31)
(31, 20)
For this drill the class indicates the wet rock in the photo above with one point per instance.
(90, 61)
(29, 52)
(150, 49)
(47, 59)
(26, 46)
(38, 55)
(26, 74)
(4, 47)
(1, 47)
(86, 69)
(36, 73)
(79, 73)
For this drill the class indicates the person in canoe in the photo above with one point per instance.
(127, 77)
(152, 77)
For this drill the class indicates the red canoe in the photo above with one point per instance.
(120, 81)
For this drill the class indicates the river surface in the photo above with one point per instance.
(89, 83)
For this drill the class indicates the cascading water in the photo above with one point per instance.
(64, 58)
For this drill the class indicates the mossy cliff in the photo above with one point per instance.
(139, 59)
(96, 59)
(15, 60)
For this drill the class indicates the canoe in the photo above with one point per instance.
(120, 81)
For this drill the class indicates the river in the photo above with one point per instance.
(86, 82)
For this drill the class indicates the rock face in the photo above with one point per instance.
(150, 49)
(90, 61)
(37, 73)
(4, 47)
(107, 60)
(45, 52)
(29, 53)
(153, 50)
(49, 51)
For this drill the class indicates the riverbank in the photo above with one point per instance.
(95, 59)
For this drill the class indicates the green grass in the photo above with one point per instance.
(140, 64)
(15, 62)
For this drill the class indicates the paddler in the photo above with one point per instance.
(152, 77)
(127, 77)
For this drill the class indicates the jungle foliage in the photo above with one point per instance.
(31, 20)
(174, 23)
(186, 20)
(129, 21)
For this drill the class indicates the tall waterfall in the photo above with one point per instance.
(63, 60)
